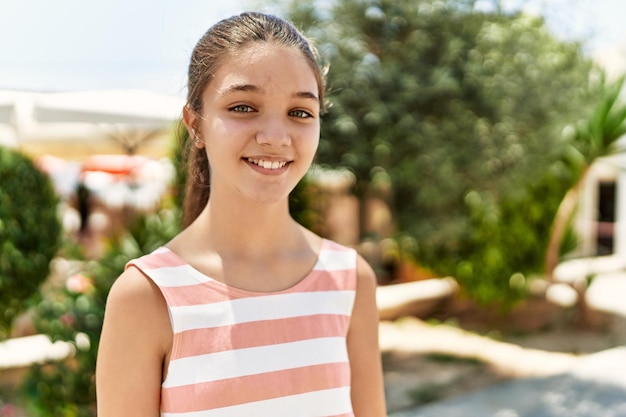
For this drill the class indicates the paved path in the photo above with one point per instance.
(595, 386)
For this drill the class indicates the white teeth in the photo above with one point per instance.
(268, 164)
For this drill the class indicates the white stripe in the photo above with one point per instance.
(312, 404)
(332, 260)
(322, 403)
(256, 360)
(176, 276)
(269, 307)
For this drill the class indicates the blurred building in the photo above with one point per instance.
(75, 125)
(601, 216)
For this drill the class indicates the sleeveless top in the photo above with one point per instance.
(243, 353)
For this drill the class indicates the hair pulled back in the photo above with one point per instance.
(227, 38)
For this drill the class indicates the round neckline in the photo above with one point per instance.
(304, 281)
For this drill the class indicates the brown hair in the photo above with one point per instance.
(227, 37)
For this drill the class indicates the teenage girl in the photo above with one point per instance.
(245, 312)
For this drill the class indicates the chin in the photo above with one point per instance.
(267, 194)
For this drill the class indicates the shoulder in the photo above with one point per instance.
(135, 306)
(134, 343)
(364, 270)
(365, 276)
(133, 287)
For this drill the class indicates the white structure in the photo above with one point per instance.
(73, 125)
(601, 216)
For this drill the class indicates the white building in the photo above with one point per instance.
(73, 125)
(601, 217)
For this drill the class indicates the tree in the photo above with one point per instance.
(461, 112)
(593, 138)
(30, 233)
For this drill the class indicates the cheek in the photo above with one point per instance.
(308, 149)
(313, 138)
(222, 137)
(314, 145)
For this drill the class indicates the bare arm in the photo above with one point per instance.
(368, 397)
(136, 336)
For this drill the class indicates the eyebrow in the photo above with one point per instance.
(258, 90)
(307, 94)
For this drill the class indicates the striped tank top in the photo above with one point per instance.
(241, 353)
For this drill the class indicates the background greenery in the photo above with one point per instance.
(461, 114)
(30, 233)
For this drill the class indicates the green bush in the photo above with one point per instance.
(30, 233)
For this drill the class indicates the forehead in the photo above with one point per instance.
(273, 68)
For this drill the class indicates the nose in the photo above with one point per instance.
(273, 132)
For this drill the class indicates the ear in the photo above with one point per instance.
(190, 118)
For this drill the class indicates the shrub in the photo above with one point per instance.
(30, 233)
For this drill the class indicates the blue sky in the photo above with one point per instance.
(96, 44)
(58, 45)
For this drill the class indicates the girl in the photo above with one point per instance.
(245, 312)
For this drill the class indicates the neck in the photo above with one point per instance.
(256, 229)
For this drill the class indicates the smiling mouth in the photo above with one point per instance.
(268, 164)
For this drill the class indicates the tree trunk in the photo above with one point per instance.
(561, 220)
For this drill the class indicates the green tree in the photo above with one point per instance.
(461, 112)
(30, 233)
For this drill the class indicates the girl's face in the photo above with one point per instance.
(260, 123)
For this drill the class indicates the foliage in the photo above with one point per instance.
(75, 314)
(512, 236)
(451, 106)
(597, 135)
(30, 233)
(590, 139)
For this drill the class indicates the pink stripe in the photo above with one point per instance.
(214, 291)
(258, 333)
(246, 389)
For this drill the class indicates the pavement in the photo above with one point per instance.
(594, 386)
